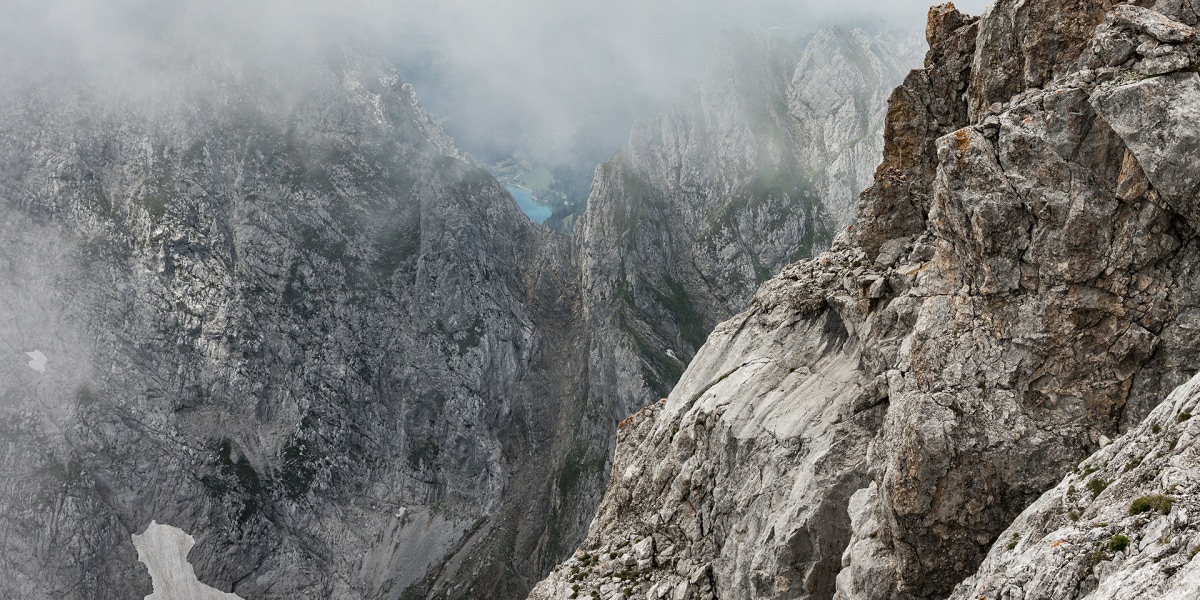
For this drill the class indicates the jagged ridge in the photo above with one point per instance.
(1018, 287)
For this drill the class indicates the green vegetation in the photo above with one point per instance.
(1096, 485)
(562, 187)
(234, 478)
(470, 337)
(1118, 543)
(1155, 428)
(1156, 502)
(683, 312)
(576, 467)
(1183, 416)
(300, 462)
(398, 241)
(638, 196)
(1016, 539)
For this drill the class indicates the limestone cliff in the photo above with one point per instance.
(280, 311)
(1021, 285)
(1123, 524)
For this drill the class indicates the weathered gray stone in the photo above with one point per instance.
(1019, 300)
(1152, 23)
(284, 314)
(1159, 120)
(1062, 546)
(761, 167)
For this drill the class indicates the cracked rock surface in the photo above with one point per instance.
(288, 317)
(712, 198)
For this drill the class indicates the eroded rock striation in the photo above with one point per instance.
(1021, 286)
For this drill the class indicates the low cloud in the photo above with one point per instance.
(497, 68)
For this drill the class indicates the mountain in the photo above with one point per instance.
(286, 316)
(712, 198)
(1121, 523)
(1017, 290)
(273, 306)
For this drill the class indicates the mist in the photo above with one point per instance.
(552, 82)
(548, 69)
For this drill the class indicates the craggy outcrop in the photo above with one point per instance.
(928, 105)
(1021, 286)
(1123, 524)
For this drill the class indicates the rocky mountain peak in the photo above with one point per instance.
(1016, 292)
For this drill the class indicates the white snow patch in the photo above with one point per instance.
(37, 361)
(164, 549)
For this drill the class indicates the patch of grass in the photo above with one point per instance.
(1183, 416)
(300, 461)
(237, 478)
(1156, 502)
(472, 336)
(676, 301)
(576, 467)
(1096, 557)
(1118, 543)
(1016, 539)
(1155, 428)
(660, 371)
(1096, 485)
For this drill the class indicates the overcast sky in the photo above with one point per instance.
(517, 65)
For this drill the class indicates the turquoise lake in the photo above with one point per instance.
(536, 212)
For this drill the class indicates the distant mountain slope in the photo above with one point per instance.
(275, 307)
(287, 317)
(711, 199)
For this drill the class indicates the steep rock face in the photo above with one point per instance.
(709, 200)
(1122, 524)
(287, 317)
(928, 105)
(1018, 287)
(713, 494)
